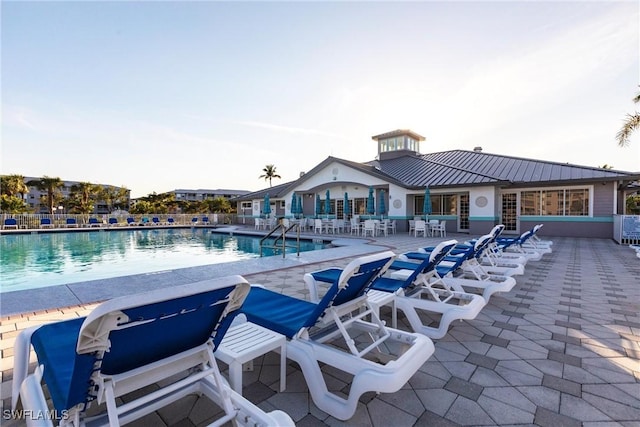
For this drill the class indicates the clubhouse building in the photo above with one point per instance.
(471, 190)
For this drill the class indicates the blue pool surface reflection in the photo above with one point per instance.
(30, 261)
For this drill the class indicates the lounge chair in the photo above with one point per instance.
(71, 223)
(495, 261)
(165, 337)
(155, 220)
(10, 223)
(519, 246)
(205, 220)
(145, 221)
(535, 243)
(493, 254)
(334, 332)
(413, 293)
(45, 223)
(93, 222)
(171, 221)
(194, 220)
(113, 222)
(462, 271)
(131, 221)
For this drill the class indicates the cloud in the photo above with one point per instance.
(289, 129)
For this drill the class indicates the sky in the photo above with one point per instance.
(162, 95)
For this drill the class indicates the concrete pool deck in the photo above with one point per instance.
(562, 348)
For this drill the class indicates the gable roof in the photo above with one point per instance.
(459, 168)
(275, 192)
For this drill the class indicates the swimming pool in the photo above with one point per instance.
(39, 260)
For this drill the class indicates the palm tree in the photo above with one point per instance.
(269, 173)
(82, 196)
(52, 186)
(630, 125)
(12, 185)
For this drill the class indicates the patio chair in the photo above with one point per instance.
(45, 223)
(369, 227)
(10, 223)
(438, 227)
(93, 222)
(382, 227)
(392, 226)
(412, 226)
(334, 332)
(166, 337)
(71, 223)
(354, 227)
(420, 226)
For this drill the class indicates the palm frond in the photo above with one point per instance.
(630, 125)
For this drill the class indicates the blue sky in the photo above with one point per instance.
(163, 95)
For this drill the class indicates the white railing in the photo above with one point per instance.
(35, 221)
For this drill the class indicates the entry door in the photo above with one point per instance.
(510, 212)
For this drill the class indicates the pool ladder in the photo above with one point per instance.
(280, 242)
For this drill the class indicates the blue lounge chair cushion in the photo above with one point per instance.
(287, 315)
(330, 275)
(281, 313)
(387, 284)
(55, 345)
(403, 265)
(67, 372)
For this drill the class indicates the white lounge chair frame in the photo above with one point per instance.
(426, 296)
(197, 366)
(384, 365)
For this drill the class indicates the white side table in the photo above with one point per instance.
(377, 299)
(244, 342)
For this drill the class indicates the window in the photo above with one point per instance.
(569, 202)
(441, 204)
(360, 207)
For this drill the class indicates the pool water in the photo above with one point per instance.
(30, 261)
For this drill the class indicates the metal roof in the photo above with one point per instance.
(459, 168)
(463, 168)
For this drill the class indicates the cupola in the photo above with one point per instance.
(397, 143)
